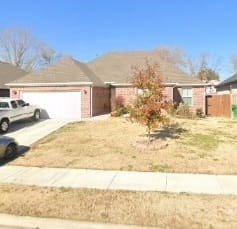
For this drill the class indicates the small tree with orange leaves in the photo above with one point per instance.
(149, 106)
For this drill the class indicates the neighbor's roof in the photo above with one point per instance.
(8, 73)
(229, 80)
(66, 70)
(117, 67)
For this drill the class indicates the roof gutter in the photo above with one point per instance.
(130, 84)
(165, 84)
(121, 84)
(191, 84)
(170, 84)
(109, 82)
(49, 84)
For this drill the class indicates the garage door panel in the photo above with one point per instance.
(60, 105)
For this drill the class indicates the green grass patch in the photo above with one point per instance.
(223, 135)
(202, 141)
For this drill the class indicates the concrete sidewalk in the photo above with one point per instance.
(26, 222)
(119, 180)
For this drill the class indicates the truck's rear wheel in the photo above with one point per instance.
(36, 115)
(4, 125)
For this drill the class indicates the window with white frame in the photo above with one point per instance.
(139, 91)
(187, 95)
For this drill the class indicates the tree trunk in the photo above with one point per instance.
(149, 135)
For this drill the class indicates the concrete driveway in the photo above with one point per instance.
(28, 132)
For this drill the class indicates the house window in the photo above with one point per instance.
(139, 91)
(187, 96)
(142, 91)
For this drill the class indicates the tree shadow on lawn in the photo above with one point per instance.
(173, 132)
(158, 138)
(22, 150)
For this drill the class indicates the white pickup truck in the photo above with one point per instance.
(12, 110)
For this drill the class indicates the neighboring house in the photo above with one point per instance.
(115, 69)
(64, 90)
(70, 89)
(220, 103)
(8, 73)
(228, 86)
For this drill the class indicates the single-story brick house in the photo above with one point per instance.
(64, 90)
(114, 69)
(71, 89)
(8, 73)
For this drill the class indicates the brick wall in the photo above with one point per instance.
(85, 94)
(130, 93)
(100, 100)
(168, 92)
(198, 97)
(127, 92)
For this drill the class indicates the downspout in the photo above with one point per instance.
(205, 101)
(110, 106)
(231, 101)
(91, 102)
(173, 87)
(173, 94)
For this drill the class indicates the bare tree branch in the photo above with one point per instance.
(189, 64)
(19, 47)
(233, 61)
(172, 55)
(48, 55)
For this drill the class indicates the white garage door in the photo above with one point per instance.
(58, 105)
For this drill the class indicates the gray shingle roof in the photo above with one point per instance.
(8, 73)
(116, 67)
(112, 67)
(231, 79)
(64, 71)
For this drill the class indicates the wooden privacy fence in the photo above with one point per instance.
(218, 105)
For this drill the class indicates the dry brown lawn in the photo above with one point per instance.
(162, 210)
(198, 146)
